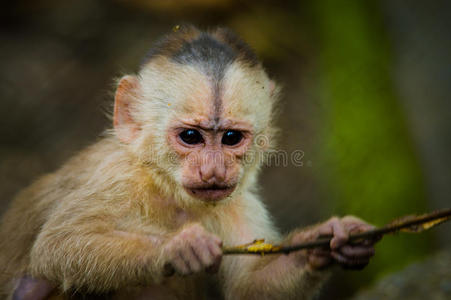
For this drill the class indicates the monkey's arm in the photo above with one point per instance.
(271, 277)
(83, 251)
(299, 274)
(268, 277)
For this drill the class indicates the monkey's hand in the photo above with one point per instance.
(192, 250)
(350, 255)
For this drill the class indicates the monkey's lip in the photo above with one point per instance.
(211, 192)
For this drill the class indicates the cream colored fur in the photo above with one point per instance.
(97, 224)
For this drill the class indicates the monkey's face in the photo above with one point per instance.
(207, 126)
(212, 128)
(211, 153)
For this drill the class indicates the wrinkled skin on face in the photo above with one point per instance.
(210, 161)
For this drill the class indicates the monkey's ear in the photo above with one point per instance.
(125, 126)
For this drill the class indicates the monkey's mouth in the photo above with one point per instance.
(211, 193)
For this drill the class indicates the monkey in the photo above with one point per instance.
(144, 212)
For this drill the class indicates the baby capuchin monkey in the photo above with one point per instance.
(144, 212)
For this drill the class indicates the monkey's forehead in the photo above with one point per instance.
(242, 93)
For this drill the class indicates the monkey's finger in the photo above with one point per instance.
(307, 235)
(356, 225)
(356, 251)
(340, 234)
(324, 230)
(180, 266)
(319, 262)
(358, 228)
(190, 257)
(215, 249)
(216, 254)
(203, 253)
(350, 263)
(319, 258)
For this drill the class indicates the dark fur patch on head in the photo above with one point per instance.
(208, 53)
(212, 51)
(171, 43)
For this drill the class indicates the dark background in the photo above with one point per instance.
(366, 98)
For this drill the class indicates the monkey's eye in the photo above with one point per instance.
(232, 137)
(191, 136)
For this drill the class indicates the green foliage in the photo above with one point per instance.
(366, 157)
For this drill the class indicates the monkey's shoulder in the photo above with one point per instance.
(91, 171)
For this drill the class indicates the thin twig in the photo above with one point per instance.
(410, 223)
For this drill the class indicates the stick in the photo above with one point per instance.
(410, 224)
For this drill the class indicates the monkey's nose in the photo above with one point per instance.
(211, 173)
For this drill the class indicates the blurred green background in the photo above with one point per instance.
(367, 88)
